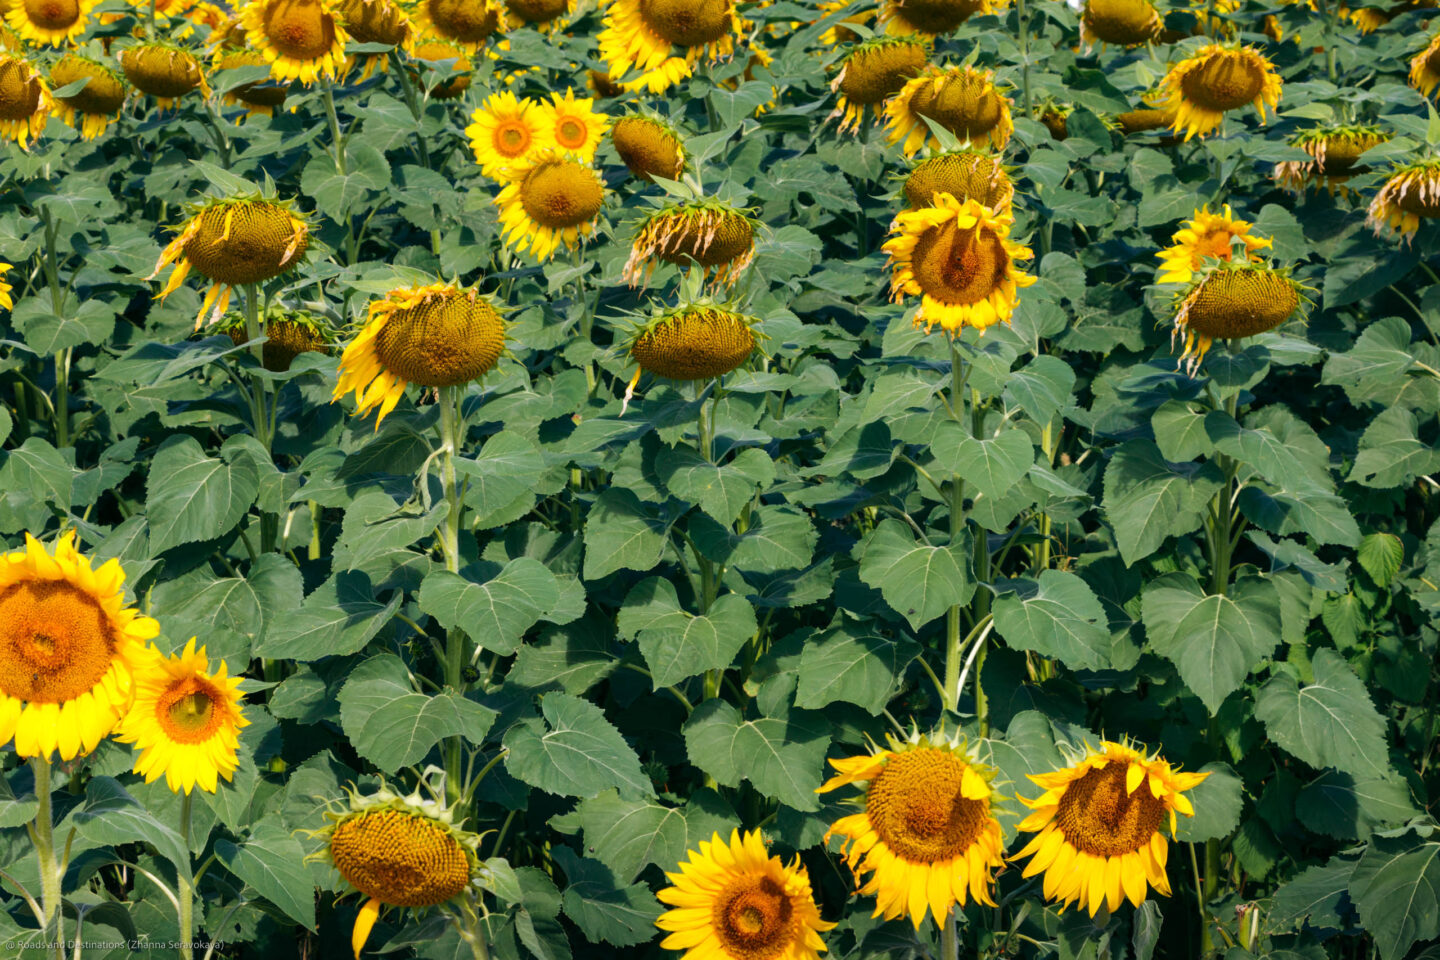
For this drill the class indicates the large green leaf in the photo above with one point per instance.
(1391, 454)
(1148, 499)
(1396, 885)
(573, 752)
(272, 862)
(991, 465)
(919, 581)
(607, 911)
(849, 664)
(392, 725)
(494, 613)
(1328, 723)
(628, 834)
(721, 490)
(781, 756)
(676, 643)
(1056, 616)
(194, 497)
(622, 533)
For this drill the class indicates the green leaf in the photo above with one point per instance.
(1217, 800)
(1179, 427)
(573, 752)
(778, 537)
(495, 613)
(628, 834)
(919, 582)
(1057, 616)
(1214, 641)
(1043, 386)
(621, 533)
(111, 816)
(1391, 455)
(37, 467)
(272, 862)
(507, 469)
(1380, 555)
(677, 644)
(1396, 886)
(339, 618)
(1148, 499)
(392, 726)
(47, 333)
(782, 757)
(1329, 723)
(850, 664)
(1318, 895)
(605, 910)
(720, 490)
(190, 496)
(991, 465)
(1338, 805)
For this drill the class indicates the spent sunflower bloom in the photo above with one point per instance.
(963, 100)
(1125, 23)
(1229, 301)
(699, 340)
(95, 105)
(1335, 151)
(235, 241)
(164, 71)
(506, 131)
(664, 39)
(709, 234)
(649, 147)
(873, 72)
(957, 257)
(1425, 67)
(1098, 826)
(185, 721)
(931, 18)
(927, 837)
(69, 649)
(574, 126)
(734, 901)
(965, 175)
(1411, 193)
(470, 23)
(553, 199)
(1207, 236)
(25, 101)
(52, 23)
(438, 335)
(1216, 79)
(302, 40)
(288, 333)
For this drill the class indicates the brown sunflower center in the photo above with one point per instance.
(687, 23)
(1225, 80)
(191, 710)
(754, 918)
(52, 14)
(916, 806)
(102, 95)
(1124, 22)
(245, 242)
(399, 859)
(56, 641)
(570, 133)
(967, 106)
(959, 266)
(1138, 121)
(562, 194)
(1098, 817)
(647, 148)
(161, 72)
(967, 176)
(374, 21)
(1421, 194)
(299, 29)
(19, 91)
(468, 21)
(536, 11)
(1241, 303)
(697, 345)
(936, 16)
(446, 340)
(875, 73)
(284, 341)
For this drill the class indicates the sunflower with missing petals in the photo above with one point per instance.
(1203, 87)
(1411, 193)
(551, 200)
(927, 836)
(963, 100)
(1208, 236)
(1098, 824)
(700, 340)
(49, 22)
(25, 101)
(873, 72)
(163, 71)
(1229, 301)
(288, 333)
(301, 39)
(1425, 68)
(1335, 151)
(376, 21)
(733, 901)
(439, 335)
(957, 257)
(1367, 19)
(69, 649)
(506, 132)
(95, 105)
(233, 242)
(709, 234)
(574, 126)
(471, 23)
(664, 39)
(649, 147)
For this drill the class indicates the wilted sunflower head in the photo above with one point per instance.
(1215, 79)
(1143, 119)
(467, 22)
(376, 21)
(1055, 116)
(603, 86)
(97, 104)
(930, 18)
(712, 235)
(1232, 300)
(301, 39)
(965, 175)
(1336, 150)
(1410, 194)
(1425, 67)
(49, 22)
(24, 100)
(963, 100)
(258, 97)
(438, 51)
(874, 71)
(1209, 236)
(288, 333)
(164, 71)
(1126, 23)
(697, 341)
(649, 147)
(552, 199)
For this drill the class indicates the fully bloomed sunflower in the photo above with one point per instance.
(1336, 151)
(963, 100)
(1425, 68)
(1098, 825)
(69, 649)
(24, 100)
(164, 71)
(957, 257)
(573, 125)
(664, 39)
(301, 39)
(709, 234)
(1411, 193)
(506, 132)
(927, 836)
(1229, 301)
(439, 335)
(553, 199)
(1208, 236)
(49, 22)
(97, 104)
(185, 721)
(965, 175)
(733, 901)
(649, 147)
(1214, 80)
(873, 72)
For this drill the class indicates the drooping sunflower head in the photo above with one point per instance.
(1209, 236)
(1230, 301)
(69, 649)
(733, 901)
(841, 32)
(1410, 194)
(1215, 79)
(1098, 825)
(574, 125)
(239, 240)
(440, 335)
(664, 39)
(377, 21)
(543, 15)
(49, 22)
(927, 837)
(1126, 23)
(301, 39)
(1336, 150)
(963, 100)
(439, 51)
(700, 340)
(164, 71)
(965, 175)
(957, 256)
(602, 85)
(709, 234)
(650, 147)
(288, 333)
(506, 132)
(24, 100)
(1425, 67)
(468, 22)
(930, 18)
(258, 97)
(1143, 119)
(97, 104)
(874, 71)
(551, 200)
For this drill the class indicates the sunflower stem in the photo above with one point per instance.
(44, 837)
(327, 89)
(185, 885)
(949, 942)
(1022, 15)
(455, 640)
(959, 373)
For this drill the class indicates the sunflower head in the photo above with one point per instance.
(506, 132)
(1209, 236)
(436, 51)
(163, 70)
(965, 175)
(664, 39)
(5, 288)
(24, 100)
(288, 333)
(553, 199)
(1143, 119)
(926, 837)
(930, 18)
(1336, 150)
(1411, 193)
(97, 104)
(301, 39)
(540, 14)
(376, 21)
(258, 97)
(1215, 79)
(874, 71)
(712, 235)
(574, 126)
(1055, 116)
(1125, 23)
(1425, 67)
(688, 23)
(963, 100)
(649, 147)
(467, 22)
(1098, 824)
(1232, 300)
(696, 341)
(603, 86)
(49, 22)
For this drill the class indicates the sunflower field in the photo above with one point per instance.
(719, 479)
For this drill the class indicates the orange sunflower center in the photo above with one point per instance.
(1215, 243)
(1098, 817)
(560, 195)
(300, 29)
(399, 859)
(959, 266)
(570, 133)
(512, 138)
(56, 641)
(468, 21)
(52, 14)
(191, 710)
(917, 808)
(753, 918)
(19, 91)
(1223, 82)
(687, 23)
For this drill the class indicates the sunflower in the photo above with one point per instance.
(1230, 301)
(927, 837)
(697, 341)
(1209, 235)
(97, 104)
(1336, 151)
(375, 21)
(841, 32)
(574, 127)
(650, 147)
(957, 256)
(1425, 68)
(733, 901)
(470, 23)
(440, 335)
(202, 14)
(543, 15)
(1215, 79)
(69, 649)
(506, 132)
(600, 82)
(49, 22)
(664, 39)
(396, 851)
(1097, 833)
(164, 71)
(24, 100)
(1143, 119)
(552, 199)
(1055, 116)
(1125, 23)
(714, 236)
(930, 18)
(963, 100)
(288, 333)
(241, 240)
(1367, 19)
(439, 51)
(874, 71)
(1411, 192)
(257, 97)
(301, 39)
(5, 288)
(965, 175)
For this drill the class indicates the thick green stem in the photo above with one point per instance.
(184, 885)
(959, 372)
(456, 642)
(1022, 14)
(263, 407)
(44, 838)
(62, 398)
(327, 88)
(949, 942)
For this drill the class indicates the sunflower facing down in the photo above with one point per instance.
(708, 234)
(440, 335)
(649, 147)
(258, 97)
(1411, 192)
(664, 39)
(733, 901)
(49, 22)
(544, 15)
(696, 341)
(375, 21)
(1201, 88)
(1336, 151)
(163, 71)
(288, 333)
(574, 127)
(958, 257)
(1230, 301)
(69, 649)
(506, 132)
(927, 837)
(930, 18)
(963, 100)
(470, 23)
(841, 32)
(1425, 68)
(553, 199)
(1098, 827)
(95, 105)
(301, 39)
(965, 175)
(1209, 235)
(872, 72)
(1126, 23)
(24, 101)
